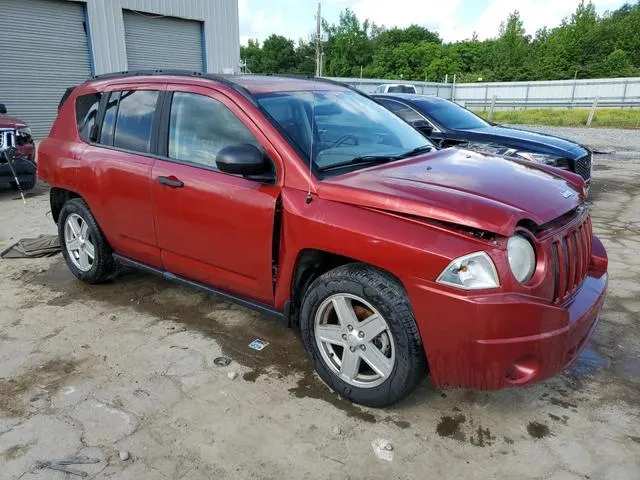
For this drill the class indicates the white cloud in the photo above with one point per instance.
(259, 23)
(535, 14)
(402, 13)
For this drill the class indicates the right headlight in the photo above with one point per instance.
(522, 258)
(475, 271)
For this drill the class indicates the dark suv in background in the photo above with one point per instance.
(448, 124)
(17, 147)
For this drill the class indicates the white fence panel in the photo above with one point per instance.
(612, 92)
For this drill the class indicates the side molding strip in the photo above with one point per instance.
(226, 296)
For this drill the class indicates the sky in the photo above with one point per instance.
(452, 19)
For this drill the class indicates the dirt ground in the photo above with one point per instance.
(129, 366)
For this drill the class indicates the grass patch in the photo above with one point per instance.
(604, 117)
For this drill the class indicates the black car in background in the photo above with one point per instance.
(448, 124)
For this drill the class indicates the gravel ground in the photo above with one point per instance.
(129, 367)
(625, 143)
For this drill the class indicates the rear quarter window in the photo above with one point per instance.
(134, 122)
(87, 113)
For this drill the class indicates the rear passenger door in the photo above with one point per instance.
(212, 227)
(115, 173)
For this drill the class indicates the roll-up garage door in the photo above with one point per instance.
(162, 42)
(44, 51)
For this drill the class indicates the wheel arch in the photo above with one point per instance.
(310, 264)
(57, 198)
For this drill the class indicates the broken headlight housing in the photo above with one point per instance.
(23, 136)
(502, 151)
(543, 158)
(475, 271)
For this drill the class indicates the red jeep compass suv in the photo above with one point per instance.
(307, 200)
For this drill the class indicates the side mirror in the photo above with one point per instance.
(246, 160)
(3, 108)
(423, 127)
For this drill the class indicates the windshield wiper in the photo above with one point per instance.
(359, 161)
(376, 159)
(414, 152)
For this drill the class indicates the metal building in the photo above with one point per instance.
(49, 45)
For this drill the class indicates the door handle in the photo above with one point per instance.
(172, 182)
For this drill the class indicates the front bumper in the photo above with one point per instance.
(23, 164)
(498, 340)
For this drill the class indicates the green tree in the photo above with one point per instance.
(305, 58)
(511, 50)
(252, 55)
(584, 44)
(618, 64)
(348, 47)
(278, 55)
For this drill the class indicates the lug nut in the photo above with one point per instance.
(362, 347)
(344, 336)
(353, 349)
(349, 327)
(361, 334)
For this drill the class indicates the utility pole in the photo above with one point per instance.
(317, 40)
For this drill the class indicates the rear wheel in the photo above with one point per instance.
(358, 328)
(84, 247)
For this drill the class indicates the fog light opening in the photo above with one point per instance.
(523, 370)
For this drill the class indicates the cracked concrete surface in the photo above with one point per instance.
(92, 370)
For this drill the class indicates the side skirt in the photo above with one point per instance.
(226, 296)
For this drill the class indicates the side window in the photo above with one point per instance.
(406, 113)
(200, 126)
(106, 135)
(86, 114)
(135, 120)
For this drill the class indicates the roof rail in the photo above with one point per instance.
(316, 79)
(223, 79)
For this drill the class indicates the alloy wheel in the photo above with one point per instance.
(79, 242)
(354, 340)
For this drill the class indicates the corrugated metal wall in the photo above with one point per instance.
(44, 51)
(221, 29)
(163, 42)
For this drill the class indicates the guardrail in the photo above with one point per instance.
(611, 92)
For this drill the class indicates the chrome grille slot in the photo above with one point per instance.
(571, 257)
(583, 166)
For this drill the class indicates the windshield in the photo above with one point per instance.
(453, 116)
(401, 89)
(345, 126)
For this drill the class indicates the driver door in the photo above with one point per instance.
(212, 227)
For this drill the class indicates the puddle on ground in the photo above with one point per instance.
(232, 326)
(605, 186)
(47, 379)
(589, 361)
(16, 451)
(538, 430)
(450, 427)
(482, 437)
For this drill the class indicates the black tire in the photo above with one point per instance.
(25, 185)
(384, 293)
(103, 267)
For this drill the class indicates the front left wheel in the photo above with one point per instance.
(358, 328)
(84, 247)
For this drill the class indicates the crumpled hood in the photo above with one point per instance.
(461, 187)
(7, 121)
